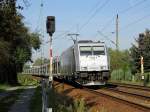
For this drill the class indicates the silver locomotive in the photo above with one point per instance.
(86, 62)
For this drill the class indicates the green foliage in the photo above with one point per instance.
(120, 75)
(142, 49)
(40, 61)
(26, 80)
(35, 41)
(3, 87)
(16, 42)
(4, 52)
(119, 59)
(79, 105)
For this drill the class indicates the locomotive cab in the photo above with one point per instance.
(93, 63)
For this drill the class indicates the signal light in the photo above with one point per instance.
(50, 24)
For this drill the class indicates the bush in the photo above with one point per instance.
(26, 80)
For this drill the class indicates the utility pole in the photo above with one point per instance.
(71, 36)
(117, 30)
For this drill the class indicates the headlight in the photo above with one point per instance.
(83, 68)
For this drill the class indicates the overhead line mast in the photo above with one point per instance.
(117, 30)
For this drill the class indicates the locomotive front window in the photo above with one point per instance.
(98, 50)
(85, 50)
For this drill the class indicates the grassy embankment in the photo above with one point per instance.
(59, 102)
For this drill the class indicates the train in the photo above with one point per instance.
(86, 62)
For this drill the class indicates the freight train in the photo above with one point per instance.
(86, 62)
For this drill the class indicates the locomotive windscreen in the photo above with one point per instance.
(85, 50)
(92, 50)
(98, 50)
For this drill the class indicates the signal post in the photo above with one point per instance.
(142, 67)
(50, 26)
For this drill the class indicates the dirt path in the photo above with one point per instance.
(23, 102)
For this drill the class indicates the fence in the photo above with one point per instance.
(126, 75)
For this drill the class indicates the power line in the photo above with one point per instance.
(65, 33)
(106, 37)
(134, 22)
(94, 14)
(122, 12)
(125, 27)
(40, 16)
(90, 11)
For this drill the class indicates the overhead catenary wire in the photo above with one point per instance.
(94, 7)
(125, 27)
(135, 22)
(40, 27)
(106, 37)
(94, 14)
(122, 12)
(40, 17)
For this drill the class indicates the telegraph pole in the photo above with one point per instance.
(117, 30)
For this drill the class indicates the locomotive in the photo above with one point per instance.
(86, 62)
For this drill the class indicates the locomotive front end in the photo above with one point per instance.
(93, 63)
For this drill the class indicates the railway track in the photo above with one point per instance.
(134, 100)
(130, 99)
(130, 86)
(141, 96)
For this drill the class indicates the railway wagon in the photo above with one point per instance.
(86, 62)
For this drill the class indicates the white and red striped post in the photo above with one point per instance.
(51, 61)
(142, 67)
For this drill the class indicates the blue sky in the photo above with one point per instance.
(86, 17)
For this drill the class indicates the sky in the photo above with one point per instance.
(92, 19)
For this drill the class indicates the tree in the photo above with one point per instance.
(119, 59)
(142, 49)
(16, 42)
(40, 61)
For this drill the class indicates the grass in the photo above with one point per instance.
(8, 101)
(36, 101)
(24, 80)
(27, 80)
(61, 103)
(3, 87)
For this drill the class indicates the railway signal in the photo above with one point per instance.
(50, 26)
